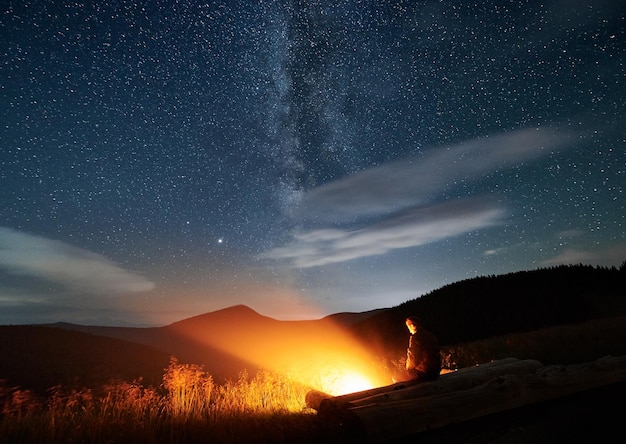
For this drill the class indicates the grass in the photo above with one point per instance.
(564, 344)
(189, 407)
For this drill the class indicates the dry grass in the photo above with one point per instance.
(565, 344)
(188, 407)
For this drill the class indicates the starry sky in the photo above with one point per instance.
(161, 159)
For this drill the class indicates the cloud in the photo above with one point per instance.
(411, 228)
(416, 180)
(613, 256)
(75, 268)
(399, 196)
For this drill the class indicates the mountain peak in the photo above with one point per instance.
(235, 314)
(239, 309)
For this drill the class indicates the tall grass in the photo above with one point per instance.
(189, 389)
(187, 407)
(564, 344)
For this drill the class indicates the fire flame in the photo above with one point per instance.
(318, 354)
(347, 381)
(341, 376)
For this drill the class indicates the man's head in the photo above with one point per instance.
(412, 323)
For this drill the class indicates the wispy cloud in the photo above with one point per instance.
(418, 179)
(613, 256)
(412, 228)
(74, 268)
(399, 196)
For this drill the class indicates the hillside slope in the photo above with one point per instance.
(38, 358)
(484, 307)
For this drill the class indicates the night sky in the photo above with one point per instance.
(161, 159)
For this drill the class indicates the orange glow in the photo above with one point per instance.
(340, 381)
(318, 354)
(333, 363)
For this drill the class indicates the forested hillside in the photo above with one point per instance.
(488, 306)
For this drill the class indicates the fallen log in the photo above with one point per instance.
(315, 398)
(378, 418)
(461, 379)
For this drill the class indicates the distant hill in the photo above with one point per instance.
(39, 357)
(204, 339)
(230, 340)
(349, 319)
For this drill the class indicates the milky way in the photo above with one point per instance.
(161, 159)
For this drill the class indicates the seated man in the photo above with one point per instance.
(423, 362)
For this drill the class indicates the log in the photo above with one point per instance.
(314, 399)
(386, 421)
(462, 379)
(564, 379)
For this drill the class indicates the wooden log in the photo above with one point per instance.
(385, 421)
(560, 379)
(462, 379)
(316, 399)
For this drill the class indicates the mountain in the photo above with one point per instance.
(204, 339)
(229, 341)
(41, 357)
(297, 347)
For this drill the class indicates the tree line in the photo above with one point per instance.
(487, 306)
